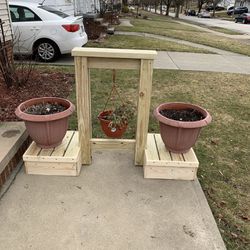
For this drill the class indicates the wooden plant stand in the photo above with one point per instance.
(77, 147)
(62, 160)
(162, 164)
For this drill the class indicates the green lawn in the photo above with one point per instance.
(166, 26)
(136, 42)
(223, 147)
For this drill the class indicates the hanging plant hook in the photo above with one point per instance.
(114, 91)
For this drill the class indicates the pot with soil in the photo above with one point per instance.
(46, 119)
(114, 122)
(180, 124)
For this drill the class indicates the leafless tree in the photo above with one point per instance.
(214, 4)
(168, 5)
(178, 4)
(200, 3)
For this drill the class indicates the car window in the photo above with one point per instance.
(23, 14)
(54, 11)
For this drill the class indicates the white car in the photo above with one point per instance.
(45, 32)
(204, 14)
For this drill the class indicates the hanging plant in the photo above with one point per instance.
(114, 121)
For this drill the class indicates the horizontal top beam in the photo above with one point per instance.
(114, 53)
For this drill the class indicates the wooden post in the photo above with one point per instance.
(83, 98)
(143, 108)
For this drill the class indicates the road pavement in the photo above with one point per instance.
(214, 22)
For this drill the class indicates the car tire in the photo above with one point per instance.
(46, 51)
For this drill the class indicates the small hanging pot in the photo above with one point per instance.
(108, 117)
(110, 131)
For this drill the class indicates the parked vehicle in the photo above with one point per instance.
(204, 14)
(230, 7)
(243, 18)
(45, 32)
(237, 10)
(191, 13)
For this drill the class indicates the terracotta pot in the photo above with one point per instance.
(116, 132)
(180, 136)
(47, 131)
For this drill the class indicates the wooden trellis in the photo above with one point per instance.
(90, 58)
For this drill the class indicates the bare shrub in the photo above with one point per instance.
(13, 74)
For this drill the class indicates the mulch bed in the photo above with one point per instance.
(41, 83)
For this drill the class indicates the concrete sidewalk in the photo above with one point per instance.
(109, 206)
(231, 63)
(203, 62)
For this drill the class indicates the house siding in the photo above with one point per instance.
(7, 29)
(4, 15)
(83, 6)
(71, 7)
(245, 3)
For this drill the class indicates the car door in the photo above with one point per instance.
(26, 26)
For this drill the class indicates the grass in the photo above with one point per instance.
(166, 26)
(223, 15)
(135, 42)
(223, 30)
(223, 147)
(214, 28)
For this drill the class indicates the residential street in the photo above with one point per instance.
(244, 28)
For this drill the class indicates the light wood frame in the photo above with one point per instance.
(89, 58)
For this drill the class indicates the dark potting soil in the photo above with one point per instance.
(44, 109)
(185, 115)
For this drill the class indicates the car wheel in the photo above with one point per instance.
(46, 51)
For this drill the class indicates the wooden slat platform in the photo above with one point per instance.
(162, 164)
(62, 160)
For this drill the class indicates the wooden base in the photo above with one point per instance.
(62, 160)
(162, 164)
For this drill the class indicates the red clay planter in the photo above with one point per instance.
(115, 132)
(180, 136)
(47, 131)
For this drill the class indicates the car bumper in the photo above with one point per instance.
(66, 46)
